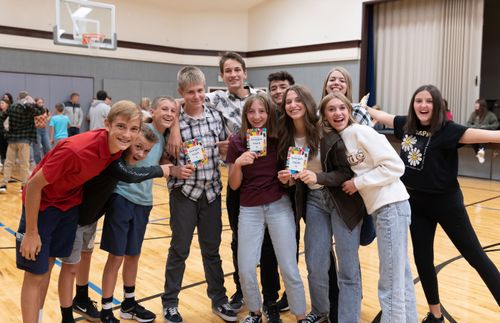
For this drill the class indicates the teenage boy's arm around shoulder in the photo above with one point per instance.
(123, 172)
(174, 142)
(31, 244)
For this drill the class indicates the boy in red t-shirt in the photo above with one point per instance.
(52, 196)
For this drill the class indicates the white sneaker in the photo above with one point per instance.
(480, 155)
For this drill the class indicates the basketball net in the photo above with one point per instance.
(93, 42)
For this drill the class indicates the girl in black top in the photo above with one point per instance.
(429, 149)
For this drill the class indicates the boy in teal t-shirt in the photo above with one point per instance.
(59, 124)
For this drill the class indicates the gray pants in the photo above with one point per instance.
(185, 216)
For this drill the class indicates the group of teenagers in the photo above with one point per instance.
(354, 182)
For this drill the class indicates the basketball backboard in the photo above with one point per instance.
(81, 21)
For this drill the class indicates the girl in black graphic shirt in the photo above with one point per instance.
(429, 149)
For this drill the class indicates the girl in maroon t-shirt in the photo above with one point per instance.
(262, 203)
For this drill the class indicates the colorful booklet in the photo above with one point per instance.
(296, 160)
(257, 141)
(195, 152)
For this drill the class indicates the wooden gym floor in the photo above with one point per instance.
(464, 296)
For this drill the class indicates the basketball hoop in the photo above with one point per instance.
(93, 41)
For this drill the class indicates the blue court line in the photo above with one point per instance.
(58, 263)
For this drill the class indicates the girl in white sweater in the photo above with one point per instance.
(377, 169)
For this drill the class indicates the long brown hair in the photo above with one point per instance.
(438, 117)
(483, 109)
(311, 122)
(271, 126)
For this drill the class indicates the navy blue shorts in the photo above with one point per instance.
(124, 226)
(57, 231)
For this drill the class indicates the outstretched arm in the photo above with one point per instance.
(382, 117)
(479, 136)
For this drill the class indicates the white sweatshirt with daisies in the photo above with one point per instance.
(376, 165)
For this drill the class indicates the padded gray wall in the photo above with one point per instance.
(310, 75)
(126, 79)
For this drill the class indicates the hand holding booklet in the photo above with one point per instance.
(296, 160)
(257, 141)
(195, 152)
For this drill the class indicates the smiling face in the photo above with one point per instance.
(337, 114)
(138, 150)
(277, 89)
(422, 105)
(234, 75)
(336, 83)
(164, 114)
(294, 107)
(257, 115)
(193, 95)
(122, 132)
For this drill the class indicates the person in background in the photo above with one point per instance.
(73, 111)
(447, 111)
(21, 133)
(98, 111)
(42, 146)
(4, 104)
(481, 118)
(59, 125)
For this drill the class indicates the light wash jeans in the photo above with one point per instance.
(323, 220)
(396, 292)
(279, 219)
(42, 146)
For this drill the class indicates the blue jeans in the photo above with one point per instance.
(323, 220)
(41, 145)
(279, 219)
(395, 287)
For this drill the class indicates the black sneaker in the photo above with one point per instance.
(3, 189)
(225, 312)
(314, 318)
(283, 304)
(136, 312)
(236, 301)
(172, 315)
(272, 313)
(252, 318)
(109, 318)
(430, 318)
(87, 309)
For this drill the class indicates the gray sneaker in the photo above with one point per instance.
(172, 315)
(225, 312)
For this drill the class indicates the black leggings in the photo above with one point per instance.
(427, 210)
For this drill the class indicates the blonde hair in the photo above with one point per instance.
(159, 99)
(126, 109)
(325, 125)
(348, 82)
(190, 75)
